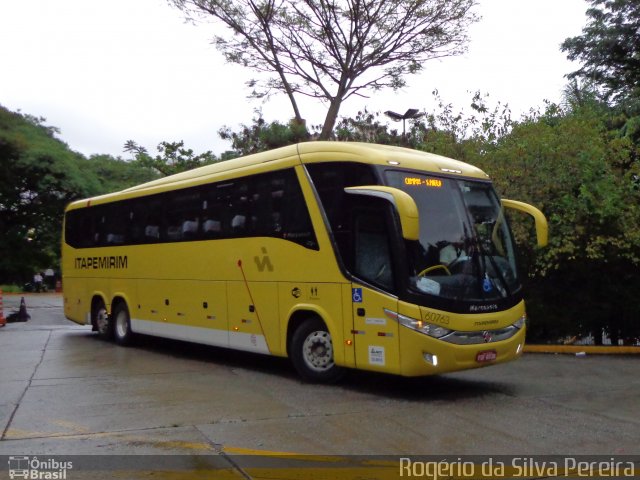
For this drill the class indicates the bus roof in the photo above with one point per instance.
(305, 153)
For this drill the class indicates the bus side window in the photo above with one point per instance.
(116, 222)
(216, 210)
(145, 220)
(182, 217)
(373, 261)
(292, 212)
(330, 180)
(100, 232)
(78, 228)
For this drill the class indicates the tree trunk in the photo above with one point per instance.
(330, 119)
(292, 99)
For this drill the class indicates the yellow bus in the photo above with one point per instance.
(336, 255)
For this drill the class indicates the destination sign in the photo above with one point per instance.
(426, 182)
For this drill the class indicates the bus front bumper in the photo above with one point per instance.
(423, 355)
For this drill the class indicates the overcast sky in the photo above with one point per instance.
(107, 72)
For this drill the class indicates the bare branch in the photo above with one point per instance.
(325, 48)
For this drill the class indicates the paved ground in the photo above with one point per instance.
(63, 391)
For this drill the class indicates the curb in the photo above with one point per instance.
(584, 349)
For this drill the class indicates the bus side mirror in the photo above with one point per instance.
(542, 228)
(403, 203)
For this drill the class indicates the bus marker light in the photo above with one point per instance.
(235, 329)
(349, 343)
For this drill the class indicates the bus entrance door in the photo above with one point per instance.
(375, 334)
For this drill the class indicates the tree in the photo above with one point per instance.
(609, 49)
(117, 174)
(39, 175)
(261, 135)
(568, 164)
(173, 157)
(334, 49)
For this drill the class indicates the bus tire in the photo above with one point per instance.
(312, 352)
(121, 320)
(101, 320)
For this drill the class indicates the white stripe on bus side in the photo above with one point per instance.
(207, 336)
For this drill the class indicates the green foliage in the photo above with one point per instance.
(173, 157)
(39, 175)
(261, 135)
(609, 48)
(569, 164)
(117, 174)
(367, 127)
(11, 289)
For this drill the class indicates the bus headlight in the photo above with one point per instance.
(435, 331)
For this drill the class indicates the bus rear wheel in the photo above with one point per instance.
(312, 352)
(101, 321)
(122, 324)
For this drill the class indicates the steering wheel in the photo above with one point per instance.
(434, 267)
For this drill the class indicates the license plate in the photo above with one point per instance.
(486, 356)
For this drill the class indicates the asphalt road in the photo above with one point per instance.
(63, 391)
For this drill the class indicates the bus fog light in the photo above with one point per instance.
(521, 322)
(430, 358)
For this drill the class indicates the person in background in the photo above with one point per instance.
(37, 282)
(50, 278)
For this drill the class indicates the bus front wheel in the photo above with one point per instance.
(312, 352)
(122, 324)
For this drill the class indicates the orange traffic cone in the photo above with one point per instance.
(3, 321)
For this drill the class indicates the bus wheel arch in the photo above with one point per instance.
(121, 320)
(310, 348)
(100, 321)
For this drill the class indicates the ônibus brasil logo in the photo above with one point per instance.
(36, 469)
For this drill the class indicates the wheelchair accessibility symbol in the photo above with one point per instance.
(356, 295)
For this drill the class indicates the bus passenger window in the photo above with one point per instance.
(182, 216)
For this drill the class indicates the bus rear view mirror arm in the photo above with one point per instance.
(403, 203)
(542, 228)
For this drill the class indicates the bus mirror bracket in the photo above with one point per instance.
(403, 203)
(542, 227)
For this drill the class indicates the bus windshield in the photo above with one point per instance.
(465, 251)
